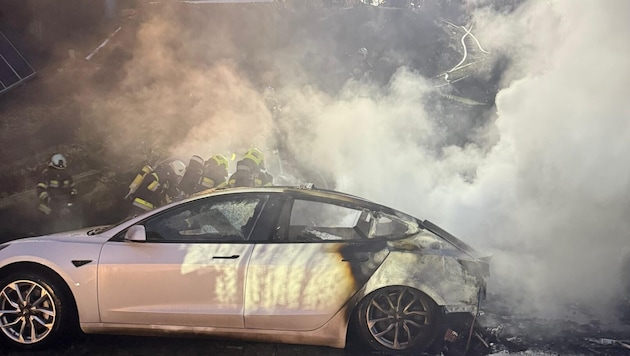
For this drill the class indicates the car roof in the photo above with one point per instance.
(309, 191)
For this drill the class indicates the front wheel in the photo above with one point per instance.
(34, 312)
(396, 319)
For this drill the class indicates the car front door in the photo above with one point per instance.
(319, 257)
(189, 272)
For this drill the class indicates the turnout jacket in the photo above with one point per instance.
(248, 174)
(55, 187)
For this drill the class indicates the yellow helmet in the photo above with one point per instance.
(256, 156)
(221, 160)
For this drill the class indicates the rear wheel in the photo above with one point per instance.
(396, 319)
(34, 312)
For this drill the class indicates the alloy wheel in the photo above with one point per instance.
(397, 317)
(27, 311)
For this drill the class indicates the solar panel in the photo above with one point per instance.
(14, 69)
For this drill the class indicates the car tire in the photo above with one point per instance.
(396, 319)
(37, 310)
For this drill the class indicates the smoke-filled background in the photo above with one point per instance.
(549, 193)
(540, 180)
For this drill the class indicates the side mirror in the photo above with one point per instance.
(136, 233)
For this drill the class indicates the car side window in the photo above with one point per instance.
(207, 220)
(318, 221)
(388, 225)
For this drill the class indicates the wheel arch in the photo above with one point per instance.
(381, 280)
(426, 273)
(48, 272)
(421, 287)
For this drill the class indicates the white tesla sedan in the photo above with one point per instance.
(278, 264)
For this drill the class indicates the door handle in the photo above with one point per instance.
(226, 257)
(355, 259)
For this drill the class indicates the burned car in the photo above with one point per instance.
(278, 264)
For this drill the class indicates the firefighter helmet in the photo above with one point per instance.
(362, 52)
(256, 156)
(58, 161)
(178, 168)
(220, 160)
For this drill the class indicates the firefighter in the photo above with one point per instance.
(159, 187)
(55, 190)
(362, 68)
(272, 103)
(174, 171)
(250, 171)
(215, 173)
(191, 181)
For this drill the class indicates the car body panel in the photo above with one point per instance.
(172, 284)
(332, 334)
(436, 275)
(301, 286)
(57, 253)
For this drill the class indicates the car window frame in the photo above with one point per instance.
(285, 219)
(258, 212)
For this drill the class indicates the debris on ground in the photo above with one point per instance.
(610, 342)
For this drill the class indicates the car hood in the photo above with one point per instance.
(81, 235)
(54, 251)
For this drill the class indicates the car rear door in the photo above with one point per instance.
(189, 272)
(318, 258)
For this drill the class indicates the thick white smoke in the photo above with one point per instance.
(548, 197)
(565, 138)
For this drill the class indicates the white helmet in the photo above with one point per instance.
(178, 168)
(58, 161)
(362, 52)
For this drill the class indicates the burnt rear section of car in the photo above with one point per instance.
(477, 265)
